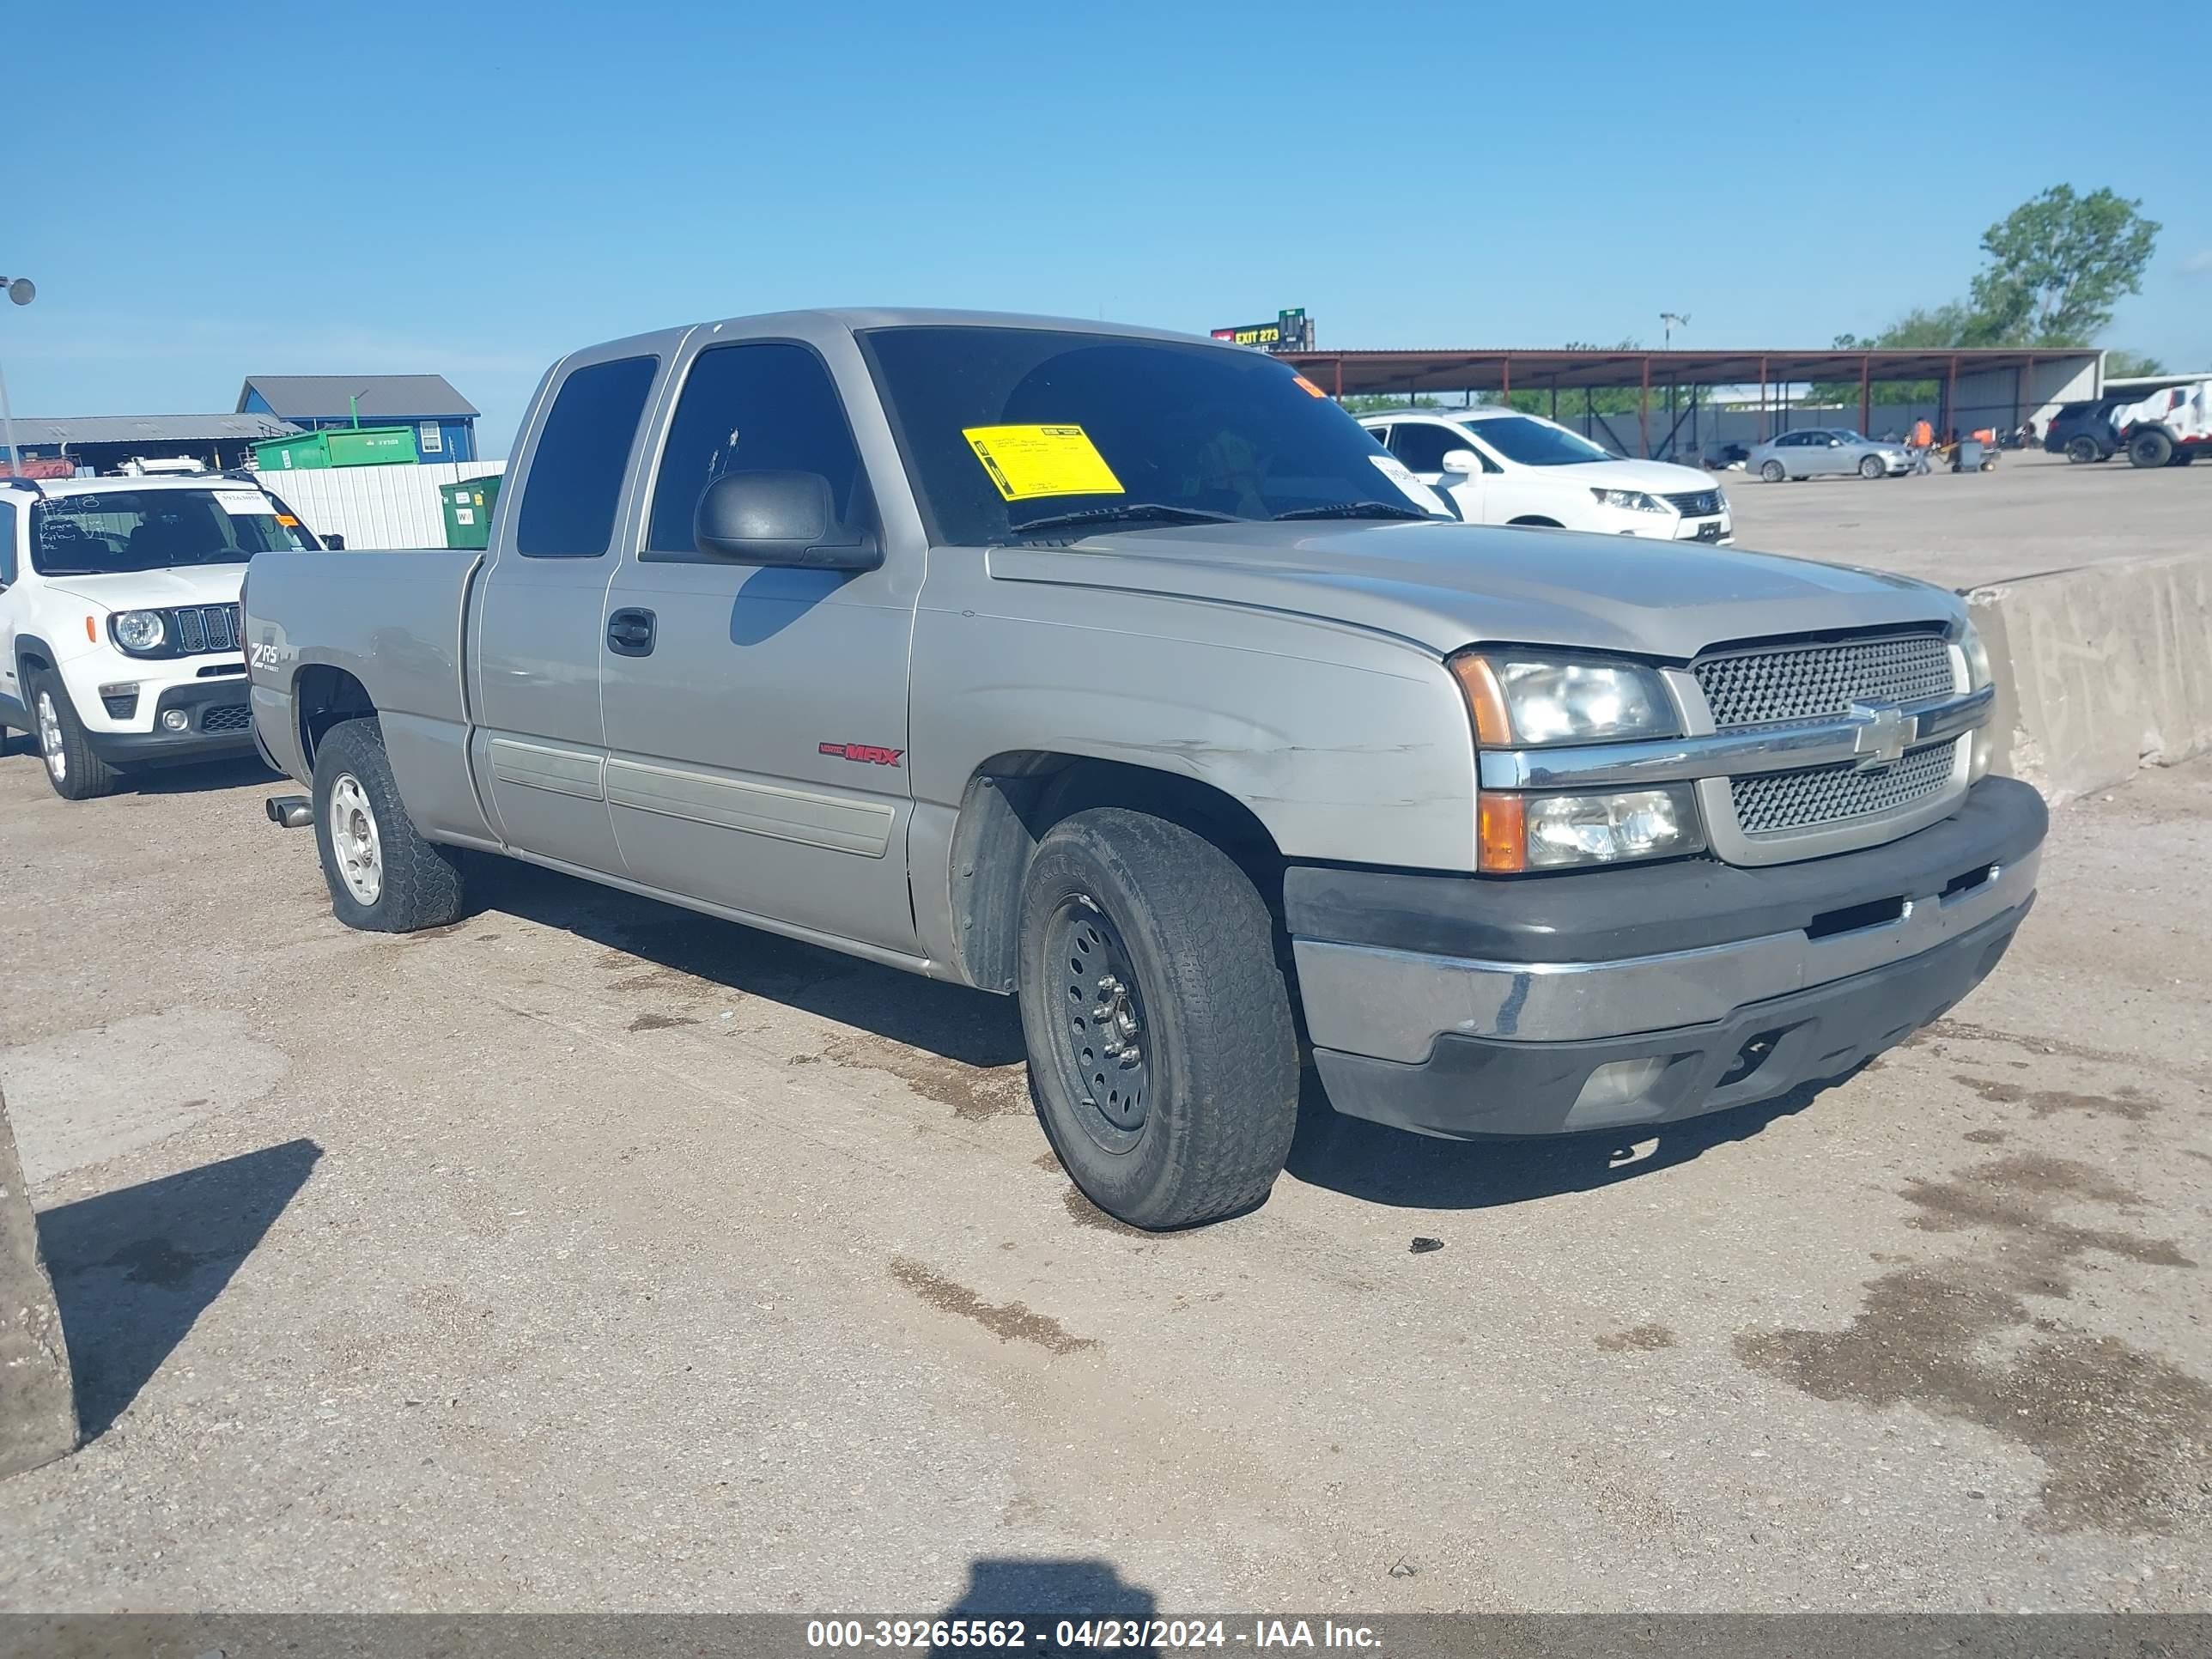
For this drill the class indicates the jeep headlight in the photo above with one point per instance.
(1525, 700)
(139, 632)
(1634, 500)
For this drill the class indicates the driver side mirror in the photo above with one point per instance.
(1835, 443)
(1461, 461)
(787, 518)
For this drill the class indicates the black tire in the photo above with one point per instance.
(58, 737)
(1204, 1008)
(418, 883)
(2150, 449)
(1771, 472)
(2083, 450)
(1871, 467)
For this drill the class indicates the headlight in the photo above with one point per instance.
(138, 631)
(1977, 655)
(1550, 832)
(1634, 500)
(1532, 700)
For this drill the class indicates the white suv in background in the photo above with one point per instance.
(120, 644)
(1500, 466)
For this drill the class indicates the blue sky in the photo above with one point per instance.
(488, 186)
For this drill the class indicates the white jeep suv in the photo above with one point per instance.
(119, 643)
(1501, 466)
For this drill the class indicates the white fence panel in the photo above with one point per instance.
(375, 506)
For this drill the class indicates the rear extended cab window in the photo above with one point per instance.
(576, 470)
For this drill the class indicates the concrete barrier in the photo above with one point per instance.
(38, 1408)
(2100, 670)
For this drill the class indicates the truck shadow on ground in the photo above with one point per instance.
(204, 779)
(1364, 1161)
(1048, 1588)
(1382, 1165)
(134, 1269)
(969, 1027)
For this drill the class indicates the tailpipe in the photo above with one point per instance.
(291, 811)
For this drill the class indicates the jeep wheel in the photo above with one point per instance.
(2083, 450)
(1162, 1059)
(2149, 449)
(384, 877)
(74, 771)
(1771, 472)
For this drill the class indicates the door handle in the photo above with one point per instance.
(630, 633)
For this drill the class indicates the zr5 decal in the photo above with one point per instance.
(866, 752)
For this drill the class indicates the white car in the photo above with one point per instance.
(120, 644)
(1500, 466)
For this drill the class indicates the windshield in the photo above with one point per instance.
(1003, 428)
(1537, 443)
(115, 530)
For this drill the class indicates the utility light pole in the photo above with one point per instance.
(21, 291)
(1669, 321)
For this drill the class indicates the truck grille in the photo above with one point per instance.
(206, 628)
(227, 717)
(1696, 503)
(1771, 802)
(1760, 687)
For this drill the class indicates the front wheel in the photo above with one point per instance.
(1871, 467)
(74, 771)
(1771, 472)
(384, 877)
(2083, 451)
(1163, 1059)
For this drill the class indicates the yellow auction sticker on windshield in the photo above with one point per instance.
(1027, 461)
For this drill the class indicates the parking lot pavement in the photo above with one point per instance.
(2034, 513)
(589, 1255)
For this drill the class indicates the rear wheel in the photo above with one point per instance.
(74, 771)
(1771, 472)
(1871, 467)
(2083, 450)
(2149, 449)
(384, 877)
(1163, 1059)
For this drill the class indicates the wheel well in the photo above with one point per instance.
(322, 697)
(1534, 521)
(1014, 798)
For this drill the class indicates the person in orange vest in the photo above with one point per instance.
(1924, 440)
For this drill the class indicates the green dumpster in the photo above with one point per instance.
(347, 445)
(468, 506)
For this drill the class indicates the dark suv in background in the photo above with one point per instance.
(2084, 432)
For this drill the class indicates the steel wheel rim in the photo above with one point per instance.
(354, 840)
(1101, 1041)
(49, 737)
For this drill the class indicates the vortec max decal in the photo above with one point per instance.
(862, 751)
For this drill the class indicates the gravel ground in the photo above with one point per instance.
(589, 1255)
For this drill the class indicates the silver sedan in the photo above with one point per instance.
(1822, 452)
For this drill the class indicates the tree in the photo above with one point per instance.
(1578, 403)
(2057, 265)
(2119, 365)
(1378, 403)
(1923, 330)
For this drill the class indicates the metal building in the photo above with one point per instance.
(104, 442)
(444, 422)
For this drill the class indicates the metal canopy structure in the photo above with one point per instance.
(1506, 369)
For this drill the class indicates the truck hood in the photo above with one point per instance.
(147, 590)
(1446, 585)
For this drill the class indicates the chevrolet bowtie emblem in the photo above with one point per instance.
(1885, 733)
